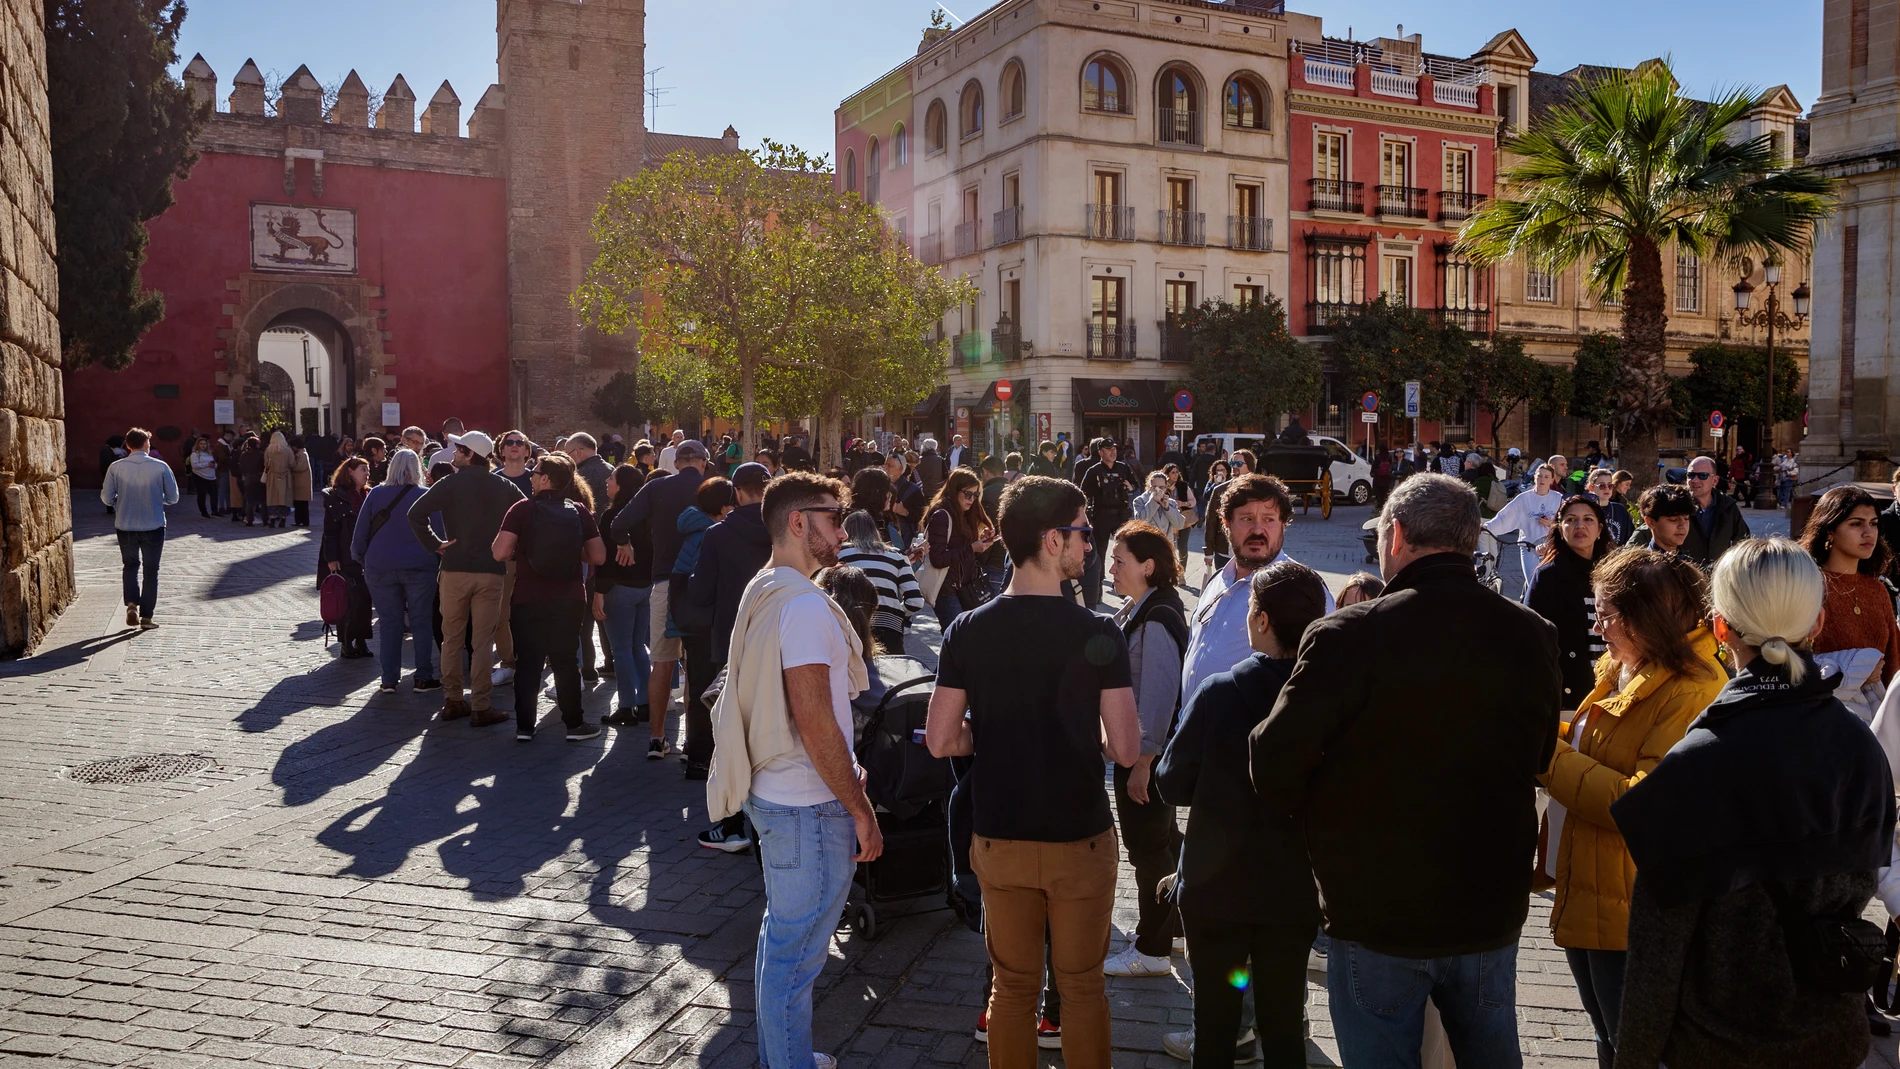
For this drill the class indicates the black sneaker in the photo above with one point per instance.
(524, 736)
(583, 731)
(697, 770)
(590, 678)
(619, 718)
(428, 684)
(729, 836)
(658, 749)
(641, 715)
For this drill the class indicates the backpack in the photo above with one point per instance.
(333, 601)
(554, 550)
(1496, 498)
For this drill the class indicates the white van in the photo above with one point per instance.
(1352, 476)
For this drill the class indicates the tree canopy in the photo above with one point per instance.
(1245, 368)
(1387, 343)
(1729, 379)
(122, 129)
(1500, 376)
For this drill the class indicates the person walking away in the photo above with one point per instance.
(204, 476)
(898, 595)
(301, 480)
(399, 572)
(620, 593)
(279, 458)
(657, 505)
(1667, 513)
(222, 448)
(1348, 754)
(550, 536)
(342, 500)
(138, 489)
(593, 469)
(1109, 486)
(784, 756)
(1617, 522)
(731, 553)
(1245, 888)
(1047, 687)
(1757, 841)
(1530, 516)
(250, 465)
(711, 503)
(1154, 623)
(1717, 524)
(959, 532)
(1660, 673)
(931, 469)
(1561, 592)
(472, 503)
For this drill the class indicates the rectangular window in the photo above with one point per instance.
(1329, 157)
(1395, 278)
(1247, 295)
(1108, 188)
(1688, 283)
(1395, 163)
(1012, 190)
(1539, 285)
(1178, 296)
(1105, 302)
(1507, 106)
(1457, 171)
(1247, 202)
(1180, 194)
(1013, 300)
(1612, 299)
(1336, 273)
(1458, 291)
(969, 205)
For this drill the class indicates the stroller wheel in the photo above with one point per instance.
(864, 921)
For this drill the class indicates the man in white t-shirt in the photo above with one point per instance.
(672, 447)
(792, 667)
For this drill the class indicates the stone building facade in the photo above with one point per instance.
(36, 583)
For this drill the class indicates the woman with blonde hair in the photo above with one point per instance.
(279, 460)
(1758, 841)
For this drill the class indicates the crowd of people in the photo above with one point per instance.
(1675, 733)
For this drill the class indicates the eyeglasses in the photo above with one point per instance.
(1602, 626)
(1698, 476)
(837, 511)
(1087, 532)
(514, 441)
(970, 495)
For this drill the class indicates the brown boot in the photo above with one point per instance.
(485, 717)
(454, 709)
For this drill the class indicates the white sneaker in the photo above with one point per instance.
(501, 676)
(1180, 944)
(1316, 962)
(1181, 1045)
(1132, 962)
(823, 1061)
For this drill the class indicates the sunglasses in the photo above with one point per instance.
(1087, 532)
(837, 511)
(1698, 476)
(514, 441)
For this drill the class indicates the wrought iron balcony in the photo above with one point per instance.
(1174, 342)
(1006, 341)
(1183, 228)
(1457, 207)
(1472, 320)
(1006, 226)
(1251, 232)
(1333, 195)
(1110, 339)
(1407, 202)
(1111, 222)
(1321, 315)
(966, 238)
(1178, 127)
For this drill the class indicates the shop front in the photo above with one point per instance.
(930, 418)
(1003, 426)
(1127, 410)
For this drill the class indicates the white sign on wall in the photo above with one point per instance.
(224, 411)
(392, 413)
(286, 237)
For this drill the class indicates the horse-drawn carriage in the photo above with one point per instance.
(1305, 469)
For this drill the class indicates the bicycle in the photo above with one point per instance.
(1485, 560)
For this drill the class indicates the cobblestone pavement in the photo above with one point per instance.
(348, 882)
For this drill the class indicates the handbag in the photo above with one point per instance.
(930, 579)
(1833, 954)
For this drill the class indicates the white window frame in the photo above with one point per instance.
(1540, 287)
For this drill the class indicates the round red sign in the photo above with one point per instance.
(1004, 389)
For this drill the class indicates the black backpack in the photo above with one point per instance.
(554, 551)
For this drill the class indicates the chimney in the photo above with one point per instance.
(731, 139)
(352, 103)
(399, 108)
(201, 81)
(444, 116)
(247, 90)
(301, 99)
(486, 122)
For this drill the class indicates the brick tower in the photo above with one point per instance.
(574, 75)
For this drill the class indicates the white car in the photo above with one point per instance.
(1352, 475)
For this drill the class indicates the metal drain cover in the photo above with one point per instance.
(140, 768)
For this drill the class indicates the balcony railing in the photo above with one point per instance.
(966, 238)
(1111, 222)
(1183, 228)
(1404, 201)
(1006, 343)
(1110, 340)
(1174, 342)
(1321, 315)
(1392, 84)
(1251, 232)
(1007, 226)
(1458, 96)
(872, 182)
(1457, 207)
(1333, 195)
(930, 249)
(1178, 127)
(1321, 72)
(1473, 320)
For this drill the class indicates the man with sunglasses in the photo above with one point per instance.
(1717, 524)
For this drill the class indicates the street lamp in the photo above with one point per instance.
(1769, 315)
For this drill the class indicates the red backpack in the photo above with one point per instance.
(333, 602)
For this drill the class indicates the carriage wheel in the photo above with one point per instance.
(1326, 496)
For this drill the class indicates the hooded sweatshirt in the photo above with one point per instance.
(731, 553)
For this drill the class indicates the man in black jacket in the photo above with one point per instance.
(1109, 486)
(1415, 785)
(1717, 523)
(931, 469)
(658, 505)
(594, 468)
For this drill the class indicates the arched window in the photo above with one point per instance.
(936, 128)
(1178, 102)
(873, 158)
(1014, 90)
(850, 171)
(1246, 104)
(900, 146)
(970, 110)
(1105, 86)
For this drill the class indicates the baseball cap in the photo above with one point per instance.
(691, 449)
(751, 476)
(474, 441)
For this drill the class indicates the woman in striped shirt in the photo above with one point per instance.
(898, 595)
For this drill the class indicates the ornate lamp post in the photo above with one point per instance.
(1770, 316)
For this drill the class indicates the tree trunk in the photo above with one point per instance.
(1642, 390)
(748, 386)
(830, 433)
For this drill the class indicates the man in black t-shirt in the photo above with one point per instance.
(1045, 681)
(1109, 486)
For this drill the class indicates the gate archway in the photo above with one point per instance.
(338, 318)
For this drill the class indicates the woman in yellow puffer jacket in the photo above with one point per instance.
(1658, 676)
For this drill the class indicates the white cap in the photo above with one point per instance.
(474, 441)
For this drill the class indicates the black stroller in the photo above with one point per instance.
(909, 789)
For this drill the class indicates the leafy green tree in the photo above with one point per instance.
(1245, 368)
(122, 129)
(1387, 344)
(1501, 376)
(1728, 379)
(617, 401)
(1613, 177)
(1594, 373)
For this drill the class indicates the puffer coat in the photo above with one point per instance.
(1625, 736)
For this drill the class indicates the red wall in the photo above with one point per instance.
(435, 243)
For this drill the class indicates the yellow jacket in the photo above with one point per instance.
(1625, 736)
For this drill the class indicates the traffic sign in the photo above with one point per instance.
(1717, 432)
(1004, 389)
(1184, 421)
(1716, 419)
(1368, 417)
(1370, 402)
(1413, 390)
(1184, 402)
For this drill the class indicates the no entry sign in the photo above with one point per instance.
(1004, 389)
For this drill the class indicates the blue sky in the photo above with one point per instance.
(777, 68)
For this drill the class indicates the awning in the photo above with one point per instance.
(1121, 397)
(930, 405)
(1019, 394)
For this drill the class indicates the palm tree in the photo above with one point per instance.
(1614, 175)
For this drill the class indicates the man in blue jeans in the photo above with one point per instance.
(1416, 787)
(785, 735)
(138, 487)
